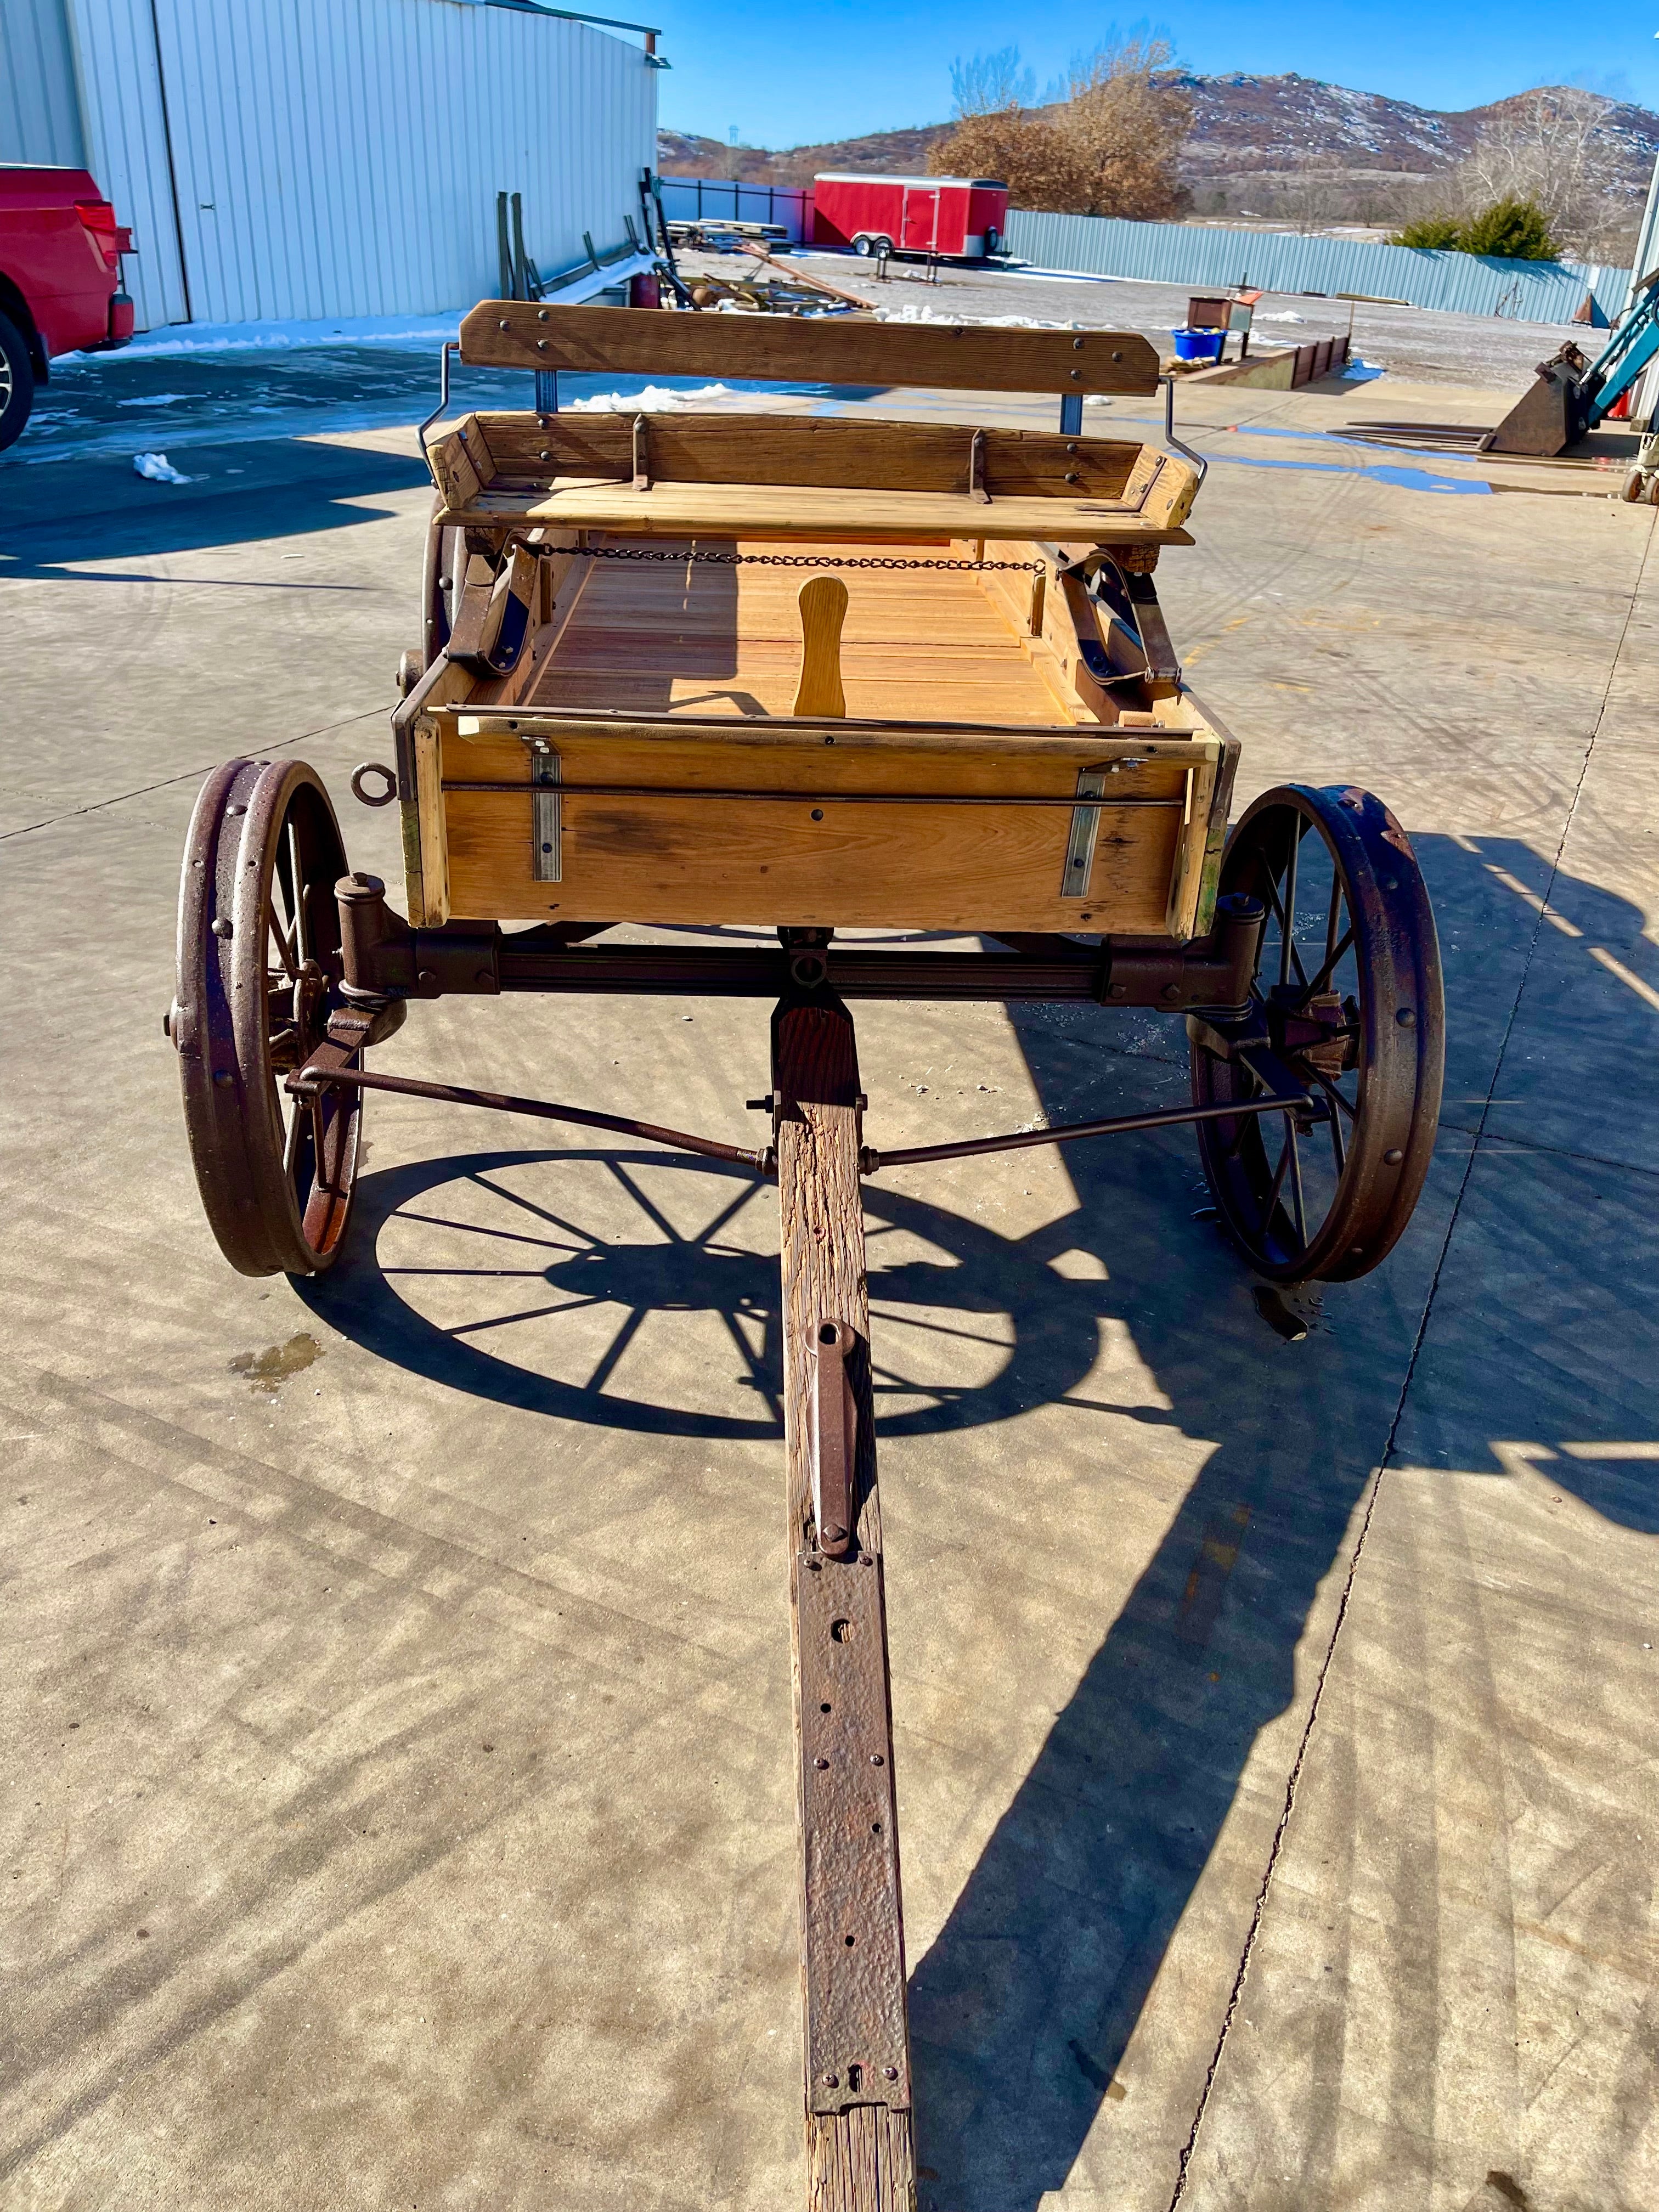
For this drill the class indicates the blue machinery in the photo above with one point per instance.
(1573, 396)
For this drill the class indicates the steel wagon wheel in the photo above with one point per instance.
(258, 954)
(1347, 997)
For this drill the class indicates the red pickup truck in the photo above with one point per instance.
(60, 280)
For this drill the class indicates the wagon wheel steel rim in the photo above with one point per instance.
(1348, 994)
(258, 954)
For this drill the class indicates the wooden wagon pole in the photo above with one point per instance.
(860, 2151)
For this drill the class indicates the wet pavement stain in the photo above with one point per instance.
(268, 1370)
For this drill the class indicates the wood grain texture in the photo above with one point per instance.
(727, 510)
(865, 454)
(509, 334)
(821, 601)
(862, 2160)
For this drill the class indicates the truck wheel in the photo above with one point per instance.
(16, 382)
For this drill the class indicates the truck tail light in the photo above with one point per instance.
(98, 220)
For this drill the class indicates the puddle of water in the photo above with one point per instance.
(268, 1370)
(1405, 479)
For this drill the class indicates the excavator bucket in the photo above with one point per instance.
(1550, 416)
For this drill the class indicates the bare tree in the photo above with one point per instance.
(991, 84)
(1550, 148)
(1313, 194)
(1108, 145)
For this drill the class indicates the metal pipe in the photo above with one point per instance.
(871, 1161)
(1170, 437)
(305, 1084)
(450, 346)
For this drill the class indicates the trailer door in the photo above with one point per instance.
(921, 220)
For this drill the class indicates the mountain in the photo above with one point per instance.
(1260, 145)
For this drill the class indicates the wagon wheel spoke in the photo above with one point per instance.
(1287, 912)
(1275, 906)
(284, 943)
(1331, 959)
(1296, 1200)
(1277, 1184)
(295, 887)
(1236, 1142)
(1332, 1092)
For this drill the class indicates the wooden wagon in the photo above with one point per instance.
(825, 671)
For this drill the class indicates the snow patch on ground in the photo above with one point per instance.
(914, 314)
(654, 399)
(156, 468)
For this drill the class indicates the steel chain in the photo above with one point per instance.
(791, 559)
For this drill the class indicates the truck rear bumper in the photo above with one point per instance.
(121, 326)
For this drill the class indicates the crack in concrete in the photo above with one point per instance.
(188, 775)
(1235, 1995)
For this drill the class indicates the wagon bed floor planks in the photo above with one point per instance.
(654, 636)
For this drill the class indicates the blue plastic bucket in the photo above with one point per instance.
(1198, 345)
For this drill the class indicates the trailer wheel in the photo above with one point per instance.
(258, 961)
(1347, 999)
(863, 246)
(16, 382)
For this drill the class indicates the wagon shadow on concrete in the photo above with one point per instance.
(1024, 2006)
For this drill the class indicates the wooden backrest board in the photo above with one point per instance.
(783, 349)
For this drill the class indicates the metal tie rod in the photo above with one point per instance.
(307, 1080)
(871, 1160)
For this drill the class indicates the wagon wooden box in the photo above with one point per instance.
(827, 672)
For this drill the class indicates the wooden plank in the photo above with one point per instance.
(458, 480)
(823, 603)
(898, 867)
(433, 826)
(860, 2158)
(855, 454)
(727, 510)
(624, 341)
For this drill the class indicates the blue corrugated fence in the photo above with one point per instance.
(1280, 261)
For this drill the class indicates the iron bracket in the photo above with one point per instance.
(834, 1438)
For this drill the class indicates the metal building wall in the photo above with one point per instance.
(40, 114)
(1278, 261)
(125, 128)
(342, 157)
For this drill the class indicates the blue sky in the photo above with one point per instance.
(833, 68)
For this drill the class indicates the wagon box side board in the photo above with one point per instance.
(863, 453)
(671, 820)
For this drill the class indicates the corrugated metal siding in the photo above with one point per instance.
(127, 145)
(342, 157)
(1179, 253)
(39, 114)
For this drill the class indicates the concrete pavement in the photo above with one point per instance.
(396, 1666)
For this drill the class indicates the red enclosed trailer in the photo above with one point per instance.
(964, 217)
